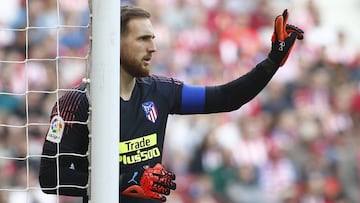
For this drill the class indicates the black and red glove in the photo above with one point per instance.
(154, 183)
(283, 39)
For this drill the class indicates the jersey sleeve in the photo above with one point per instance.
(68, 133)
(229, 96)
(192, 99)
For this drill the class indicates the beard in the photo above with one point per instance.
(133, 66)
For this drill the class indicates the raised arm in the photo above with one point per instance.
(234, 94)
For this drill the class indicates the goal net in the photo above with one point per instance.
(46, 50)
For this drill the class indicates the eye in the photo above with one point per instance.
(146, 37)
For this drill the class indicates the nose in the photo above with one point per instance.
(152, 46)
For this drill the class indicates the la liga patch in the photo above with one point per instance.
(56, 129)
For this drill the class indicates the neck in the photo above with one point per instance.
(127, 84)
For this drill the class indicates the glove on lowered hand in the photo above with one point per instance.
(283, 39)
(155, 183)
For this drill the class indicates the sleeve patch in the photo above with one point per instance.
(193, 99)
(56, 129)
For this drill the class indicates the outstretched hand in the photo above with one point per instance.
(283, 39)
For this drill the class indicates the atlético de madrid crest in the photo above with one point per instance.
(150, 111)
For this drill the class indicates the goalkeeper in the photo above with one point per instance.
(146, 102)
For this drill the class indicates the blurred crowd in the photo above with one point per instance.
(43, 52)
(293, 143)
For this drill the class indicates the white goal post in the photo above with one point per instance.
(104, 101)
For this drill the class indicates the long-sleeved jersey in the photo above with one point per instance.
(67, 135)
(143, 121)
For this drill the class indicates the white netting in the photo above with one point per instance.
(43, 53)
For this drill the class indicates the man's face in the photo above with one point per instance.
(137, 47)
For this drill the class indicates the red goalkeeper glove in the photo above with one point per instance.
(283, 39)
(155, 183)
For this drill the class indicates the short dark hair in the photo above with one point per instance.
(130, 12)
